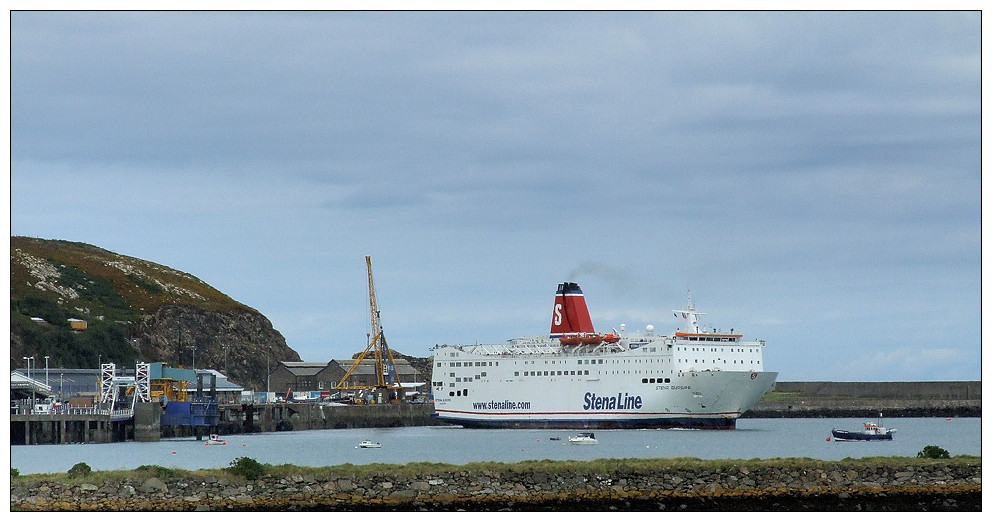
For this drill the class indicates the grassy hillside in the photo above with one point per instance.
(52, 281)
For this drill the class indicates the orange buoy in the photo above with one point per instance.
(173, 452)
(828, 439)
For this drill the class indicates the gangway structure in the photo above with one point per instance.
(386, 378)
(114, 390)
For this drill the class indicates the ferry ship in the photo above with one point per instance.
(577, 378)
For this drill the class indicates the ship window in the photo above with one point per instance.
(545, 372)
(458, 393)
(452, 374)
(600, 361)
(483, 374)
(587, 372)
(580, 361)
(667, 380)
(645, 381)
(451, 394)
(465, 392)
(438, 365)
(458, 379)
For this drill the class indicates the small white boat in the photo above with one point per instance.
(368, 444)
(583, 438)
(215, 440)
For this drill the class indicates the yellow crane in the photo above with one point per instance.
(377, 345)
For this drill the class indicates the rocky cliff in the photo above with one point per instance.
(133, 310)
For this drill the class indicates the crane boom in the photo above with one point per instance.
(376, 328)
(377, 343)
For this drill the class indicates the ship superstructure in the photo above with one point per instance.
(577, 378)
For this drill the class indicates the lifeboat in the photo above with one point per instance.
(588, 338)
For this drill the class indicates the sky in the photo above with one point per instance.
(812, 178)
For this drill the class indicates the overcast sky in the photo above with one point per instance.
(813, 178)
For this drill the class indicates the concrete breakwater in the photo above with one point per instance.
(866, 399)
(867, 408)
(683, 484)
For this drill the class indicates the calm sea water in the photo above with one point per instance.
(753, 438)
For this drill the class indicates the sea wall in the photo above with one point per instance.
(863, 408)
(255, 418)
(769, 485)
(931, 390)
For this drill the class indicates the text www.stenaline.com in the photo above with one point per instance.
(501, 405)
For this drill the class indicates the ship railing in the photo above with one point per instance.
(504, 349)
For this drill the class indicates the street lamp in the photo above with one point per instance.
(28, 364)
(46, 370)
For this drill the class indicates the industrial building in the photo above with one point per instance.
(321, 379)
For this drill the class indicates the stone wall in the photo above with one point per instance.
(865, 408)
(934, 390)
(616, 485)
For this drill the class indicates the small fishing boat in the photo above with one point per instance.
(583, 438)
(215, 440)
(871, 431)
(368, 444)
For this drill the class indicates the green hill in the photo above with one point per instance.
(134, 310)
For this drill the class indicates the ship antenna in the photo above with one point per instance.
(690, 315)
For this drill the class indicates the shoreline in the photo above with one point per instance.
(890, 483)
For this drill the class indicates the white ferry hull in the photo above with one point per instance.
(576, 378)
(700, 400)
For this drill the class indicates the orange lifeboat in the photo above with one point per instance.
(588, 338)
(611, 338)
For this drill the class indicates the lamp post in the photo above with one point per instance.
(28, 364)
(46, 370)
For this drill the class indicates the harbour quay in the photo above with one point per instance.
(787, 399)
(145, 425)
(260, 418)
